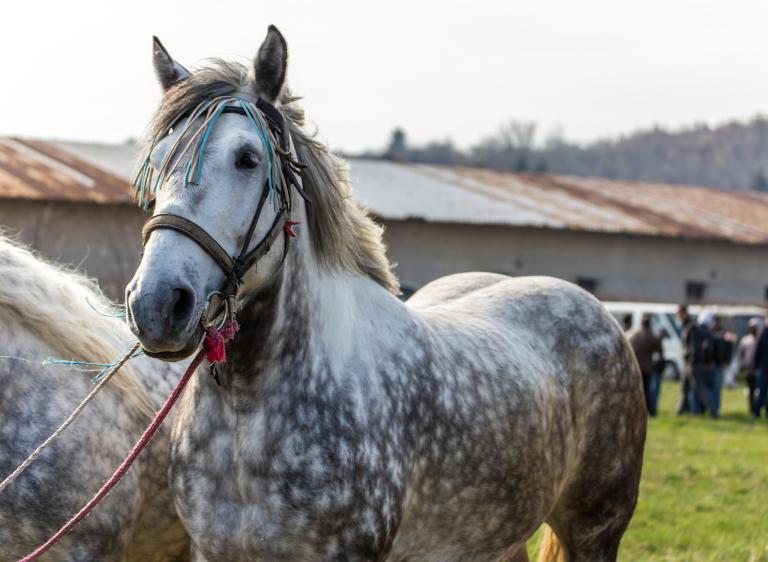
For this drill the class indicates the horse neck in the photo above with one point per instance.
(308, 316)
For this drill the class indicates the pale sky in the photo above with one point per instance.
(80, 70)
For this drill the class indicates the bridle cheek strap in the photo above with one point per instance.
(234, 268)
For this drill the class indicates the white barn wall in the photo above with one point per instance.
(626, 267)
(104, 241)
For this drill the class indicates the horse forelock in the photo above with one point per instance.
(64, 309)
(342, 234)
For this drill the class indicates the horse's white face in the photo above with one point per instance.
(170, 291)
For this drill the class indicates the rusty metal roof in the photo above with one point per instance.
(468, 195)
(65, 171)
(37, 170)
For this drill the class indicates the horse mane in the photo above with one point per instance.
(61, 307)
(343, 235)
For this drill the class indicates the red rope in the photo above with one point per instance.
(213, 348)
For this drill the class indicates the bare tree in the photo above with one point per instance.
(518, 135)
(731, 156)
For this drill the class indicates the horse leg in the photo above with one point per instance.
(589, 525)
(197, 556)
(585, 541)
(521, 555)
(597, 504)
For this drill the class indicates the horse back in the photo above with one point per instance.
(555, 330)
(532, 372)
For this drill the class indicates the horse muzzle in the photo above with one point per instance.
(165, 320)
(171, 356)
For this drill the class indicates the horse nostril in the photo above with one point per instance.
(183, 304)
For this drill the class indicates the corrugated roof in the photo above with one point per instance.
(100, 173)
(468, 195)
(117, 159)
(31, 169)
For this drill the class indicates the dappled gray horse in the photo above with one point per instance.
(48, 312)
(347, 425)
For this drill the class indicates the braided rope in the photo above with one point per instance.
(124, 466)
(213, 350)
(63, 427)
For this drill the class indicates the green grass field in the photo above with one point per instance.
(704, 491)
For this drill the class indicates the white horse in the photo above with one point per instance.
(45, 312)
(348, 425)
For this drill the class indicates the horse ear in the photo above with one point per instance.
(270, 65)
(167, 70)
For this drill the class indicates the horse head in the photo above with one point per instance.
(219, 171)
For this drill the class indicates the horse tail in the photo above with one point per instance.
(549, 547)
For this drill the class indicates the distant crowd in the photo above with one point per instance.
(708, 350)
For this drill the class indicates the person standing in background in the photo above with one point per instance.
(704, 372)
(761, 374)
(660, 364)
(647, 347)
(694, 395)
(684, 407)
(722, 354)
(745, 358)
(626, 323)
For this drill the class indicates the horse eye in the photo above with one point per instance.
(246, 160)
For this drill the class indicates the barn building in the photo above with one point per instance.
(620, 240)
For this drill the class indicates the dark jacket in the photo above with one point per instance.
(645, 345)
(722, 348)
(697, 345)
(761, 351)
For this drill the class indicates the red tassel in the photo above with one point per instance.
(287, 228)
(215, 341)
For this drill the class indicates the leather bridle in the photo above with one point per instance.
(235, 267)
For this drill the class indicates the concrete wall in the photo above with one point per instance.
(102, 240)
(626, 267)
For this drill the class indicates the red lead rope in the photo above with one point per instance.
(214, 351)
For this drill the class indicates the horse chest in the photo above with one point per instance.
(277, 485)
(221, 505)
